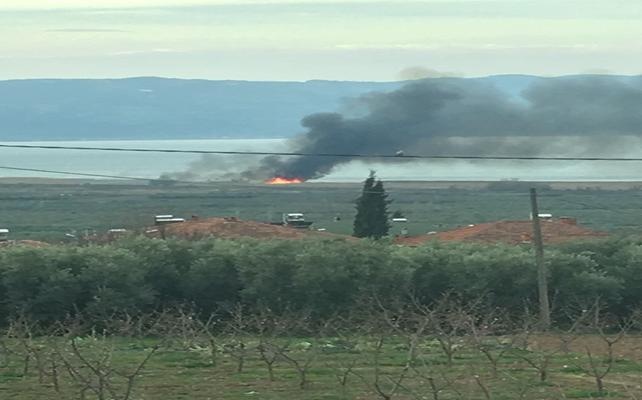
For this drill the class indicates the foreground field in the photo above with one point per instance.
(46, 211)
(375, 367)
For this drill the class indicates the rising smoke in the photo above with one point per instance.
(568, 116)
(471, 117)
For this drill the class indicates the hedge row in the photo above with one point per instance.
(140, 274)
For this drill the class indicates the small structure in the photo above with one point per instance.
(116, 233)
(167, 219)
(400, 220)
(544, 216)
(295, 220)
(4, 235)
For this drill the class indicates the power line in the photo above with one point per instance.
(48, 171)
(514, 195)
(187, 182)
(334, 155)
(139, 178)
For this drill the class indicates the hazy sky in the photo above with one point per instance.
(317, 39)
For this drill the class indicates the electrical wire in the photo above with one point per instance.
(147, 180)
(172, 181)
(48, 171)
(334, 155)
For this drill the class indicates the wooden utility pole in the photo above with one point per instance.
(542, 275)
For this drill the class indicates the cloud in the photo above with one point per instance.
(40, 5)
(150, 51)
(396, 46)
(83, 4)
(87, 30)
(414, 73)
(598, 71)
(468, 46)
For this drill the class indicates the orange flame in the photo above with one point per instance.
(281, 180)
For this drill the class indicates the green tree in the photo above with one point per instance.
(398, 214)
(372, 210)
(213, 279)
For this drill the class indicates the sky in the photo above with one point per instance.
(365, 40)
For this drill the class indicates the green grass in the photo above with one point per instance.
(178, 372)
(588, 394)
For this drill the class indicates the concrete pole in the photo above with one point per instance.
(542, 275)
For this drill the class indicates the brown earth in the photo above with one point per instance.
(233, 228)
(511, 232)
(629, 347)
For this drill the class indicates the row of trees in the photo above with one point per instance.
(450, 349)
(326, 277)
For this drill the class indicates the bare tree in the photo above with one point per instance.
(181, 325)
(346, 331)
(273, 331)
(301, 355)
(437, 381)
(580, 317)
(449, 320)
(489, 335)
(408, 323)
(383, 384)
(482, 386)
(23, 329)
(208, 331)
(88, 360)
(6, 348)
(528, 348)
(600, 367)
(380, 324)
(540, 360)
(236, 331)
(301, 360)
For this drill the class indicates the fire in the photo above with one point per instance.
(281, 180)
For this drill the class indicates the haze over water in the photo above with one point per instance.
(219, 167)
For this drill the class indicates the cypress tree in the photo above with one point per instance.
(372, 210)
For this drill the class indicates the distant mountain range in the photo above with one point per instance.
(159, 108)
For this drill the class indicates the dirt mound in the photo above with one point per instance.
(25, 243)
(511, 232)
(232, 228)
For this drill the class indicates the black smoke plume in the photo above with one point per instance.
(469, 117)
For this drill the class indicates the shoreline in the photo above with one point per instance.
(424, 184)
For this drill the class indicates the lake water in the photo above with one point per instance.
(152, 165)
(145, 165)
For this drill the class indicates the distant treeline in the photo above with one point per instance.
(324, 277)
